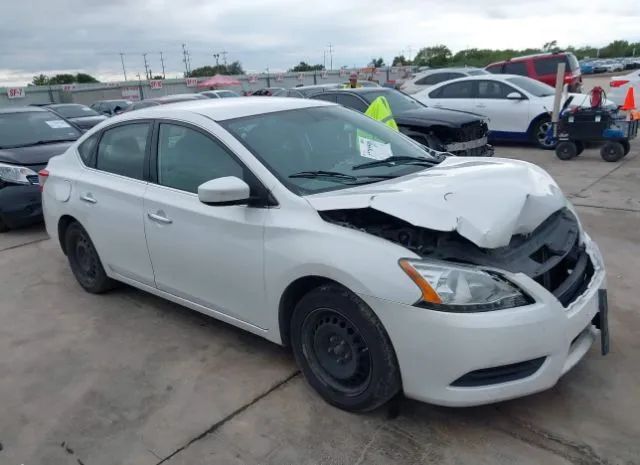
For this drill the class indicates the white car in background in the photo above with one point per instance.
(385, 266)
(619, 86)
(431, 77)
(518, 107)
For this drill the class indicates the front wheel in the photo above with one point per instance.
(566, 150)
(539, 134)
(84, 261)
(343, 350)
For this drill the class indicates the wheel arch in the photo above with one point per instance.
(292, 295)
(63, 225)
(535, 121)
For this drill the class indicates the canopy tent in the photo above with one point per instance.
(219, 81)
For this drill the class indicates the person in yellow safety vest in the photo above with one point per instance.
(353, 82)
(380, 110)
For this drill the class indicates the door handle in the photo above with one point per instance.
(159, 218)
(88, 198)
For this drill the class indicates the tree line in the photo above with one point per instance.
(441, 55)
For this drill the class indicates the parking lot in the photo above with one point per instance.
(128, 378)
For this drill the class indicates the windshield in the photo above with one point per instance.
(74, 111)
(398, 101)
(329, 139)
(32, 127)
(532, 86)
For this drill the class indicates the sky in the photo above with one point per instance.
(56, 36)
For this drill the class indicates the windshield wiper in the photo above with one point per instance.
(39, 142)
(336, 175)
(397, 160)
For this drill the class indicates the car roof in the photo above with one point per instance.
(21, 109)
(225, 109)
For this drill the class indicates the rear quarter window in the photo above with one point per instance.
(494, 69)
(87, 151)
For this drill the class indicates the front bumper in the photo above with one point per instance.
(473, 148)
(435, 349)
(20, 205)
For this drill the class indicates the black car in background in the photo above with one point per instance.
(111, 107)
(83, 116)
(456, 132)
(29, 137)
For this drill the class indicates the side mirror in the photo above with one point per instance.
(515, 96)
(224, 191)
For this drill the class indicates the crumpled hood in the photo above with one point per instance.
(432, 116)
(485, 201)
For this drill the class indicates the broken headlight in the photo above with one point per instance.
(458, 288)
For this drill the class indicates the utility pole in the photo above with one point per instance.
(330, 56)
(224, 57)
(185, 59)
(216, 56)
(124, 71)
(409, 50)
(268, 79)
(324, 59)
(146, 66)
(162, 61)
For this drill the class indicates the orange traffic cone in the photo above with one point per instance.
(629, 100)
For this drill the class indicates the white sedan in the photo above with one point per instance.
(383, 265)
(518, 107)
(619, 86)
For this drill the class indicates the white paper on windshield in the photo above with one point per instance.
(373, 149)
(57, 124)
(86, 109)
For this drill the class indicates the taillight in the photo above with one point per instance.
(618, 83)
(43, 174)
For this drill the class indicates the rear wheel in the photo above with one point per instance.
(612, 151)
(343, 350)
(566, 150)
(84, 261)
(539, 133)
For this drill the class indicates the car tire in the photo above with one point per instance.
(566, 150)
(343, 350)
(539, 131)
(84, 260)
(612, 151)
(626, 145)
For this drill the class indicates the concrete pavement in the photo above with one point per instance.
(127, 378)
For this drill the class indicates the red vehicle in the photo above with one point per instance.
(542, 67)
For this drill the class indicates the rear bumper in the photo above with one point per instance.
(20, 205)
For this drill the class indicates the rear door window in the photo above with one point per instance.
(325, 97)
(122, 150)
(495, 69)
(457, 90)
(435, 78)
(516, 67)
(549, 65)
(353, 102)
(493, 90)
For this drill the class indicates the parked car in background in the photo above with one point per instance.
(265, 92)
(384, 267)
(140, 104)
(518, 107)
(619, 86)
(432, 77)
(364, 83)
(29, 137)
(612, 66)
(83, 116)
(586, 67)
(459, 133)
(219, 93)
(305, 91)
(543, 67)
(111, 107)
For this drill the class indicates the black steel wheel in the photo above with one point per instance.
(84, 260)
(566, 150)
(343, 350)
(612, 151)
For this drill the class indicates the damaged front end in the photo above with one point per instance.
(552, 254)
(468, 140)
